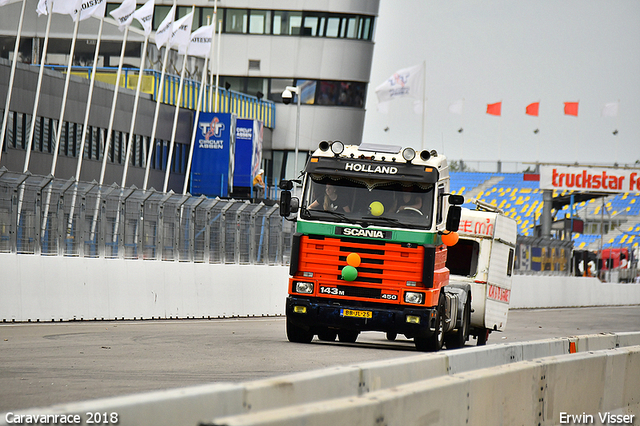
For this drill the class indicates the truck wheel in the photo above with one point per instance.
(348, 336)
(391, 336)
(483, 336)
(459, 338)
(298, 334)
(327, 335)
(434, 342)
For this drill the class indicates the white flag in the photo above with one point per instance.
(3, 2)
(456, 107)
(181, 33)
(405, 82)
(91, 8)
(163, 33)
(124, 14)
(200, 44)
(63, 7)
(144, 15)
(610, 109)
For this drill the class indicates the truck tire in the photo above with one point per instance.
(434, 342)
(348, 336)
(483, 336)
(461, 335)
(391, 336)
(298, 334)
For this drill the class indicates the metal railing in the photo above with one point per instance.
(45, 216)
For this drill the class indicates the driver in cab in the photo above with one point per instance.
(332, 200)
(409, 201)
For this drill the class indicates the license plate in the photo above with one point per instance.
(355, 314)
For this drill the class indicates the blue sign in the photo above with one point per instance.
(243, 170)
(213, 154)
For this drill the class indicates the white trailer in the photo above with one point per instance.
(483, 260)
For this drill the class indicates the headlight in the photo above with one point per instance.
(414, 298)
(302, 287)
(408, 154)
(337, 147)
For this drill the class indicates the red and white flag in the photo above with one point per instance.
(495, 109)
(532, 109)
(571, 108)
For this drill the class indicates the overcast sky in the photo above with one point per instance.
(517, 52)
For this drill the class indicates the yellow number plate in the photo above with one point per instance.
(355, 314)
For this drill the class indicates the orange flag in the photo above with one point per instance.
(494, 109)
(532, 109)
(571, 108)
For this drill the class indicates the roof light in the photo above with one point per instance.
(324, 146)
(337, 147)
(425, 155)
(408, 154)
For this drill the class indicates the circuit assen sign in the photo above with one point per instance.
(587, 179)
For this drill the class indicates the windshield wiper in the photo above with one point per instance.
(381, 218)
(306, 213)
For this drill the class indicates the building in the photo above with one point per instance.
(323, 48)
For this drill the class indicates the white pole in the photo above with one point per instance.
(11, 77)
(195, 125)
(105, 153)
(295, 160)
(175, 124)
(56, 147)
(36, 102)
(424, 105)
(85, 125)
(213, 40)
(155, 118)
(135, 111)
(218, 63)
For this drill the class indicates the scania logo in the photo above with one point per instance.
(357, 232)
(370, 168)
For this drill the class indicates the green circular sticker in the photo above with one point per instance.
(349, 273)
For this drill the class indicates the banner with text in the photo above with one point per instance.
(589, 179)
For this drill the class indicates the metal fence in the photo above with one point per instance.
(45, 216)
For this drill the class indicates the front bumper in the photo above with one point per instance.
(320, 314)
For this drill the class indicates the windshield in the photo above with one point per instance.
(368, 201)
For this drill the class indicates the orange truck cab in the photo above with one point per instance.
(369, 249)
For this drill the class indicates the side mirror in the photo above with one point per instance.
(453, 218)
(456, 200)
(286, 185)
(285, 203)
(288, 204)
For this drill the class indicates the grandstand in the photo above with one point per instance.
(522, 200)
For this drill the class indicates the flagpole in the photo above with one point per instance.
(195, 125)
(27, 157)
(213, 39)
(135, 111)
(424, 106)
(217, 62)
(86, 124)
(14, 63)
(107, 143)
(56, 147)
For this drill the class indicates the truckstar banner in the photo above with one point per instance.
(589, 179)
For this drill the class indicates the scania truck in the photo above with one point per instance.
(370, 247)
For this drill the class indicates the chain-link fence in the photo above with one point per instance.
(45, 216)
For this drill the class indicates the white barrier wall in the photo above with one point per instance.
(519, 383)
(56, 288)
(533, 291)
(43, 288)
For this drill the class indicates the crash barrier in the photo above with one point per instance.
(520, 383)
(45, 216)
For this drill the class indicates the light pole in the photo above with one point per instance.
(287, 96)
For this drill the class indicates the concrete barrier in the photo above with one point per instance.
(57, 288)
(44, 288)
(482, 384)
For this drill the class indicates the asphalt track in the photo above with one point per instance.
(49, 363)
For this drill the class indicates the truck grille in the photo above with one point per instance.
(383, 264)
